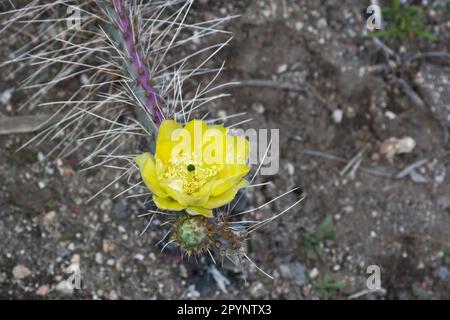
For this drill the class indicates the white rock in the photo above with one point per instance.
(40, 156)
(282, 68)
(139, 256)
(75, 260)
(418, 177)
(290, 168)
(99, 258)
(390, 115)
(394, 146)
(314, 273)
(21, 272)
(322, 23)
(258, 108)
(42, 183)
(338, 115)
(6, 95)
(84, 79)
(113, 295)
(49, 216)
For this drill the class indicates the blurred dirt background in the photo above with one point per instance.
(346, 98)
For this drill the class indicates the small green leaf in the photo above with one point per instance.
(329, 234)
(427, 35)
(447, 9)
(326, 222)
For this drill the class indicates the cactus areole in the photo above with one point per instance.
(192, 233)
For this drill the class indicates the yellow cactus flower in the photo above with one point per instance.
(196, 168)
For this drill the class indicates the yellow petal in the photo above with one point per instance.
(214, 142)
(165, 141)
(195, 211)
(196, 129)
(146, 164)
(166, 129)
(226, 197)
(167, 204)
(228, 177)
(173, 187)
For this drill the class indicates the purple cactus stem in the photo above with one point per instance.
(140, 69)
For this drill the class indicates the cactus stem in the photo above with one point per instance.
(139, 70)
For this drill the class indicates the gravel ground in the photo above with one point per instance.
(350, 102)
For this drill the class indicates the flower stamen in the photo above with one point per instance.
(190, 171)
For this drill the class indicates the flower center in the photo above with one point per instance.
(190, 171)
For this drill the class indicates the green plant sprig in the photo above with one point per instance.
(313, 240)
(404, 21)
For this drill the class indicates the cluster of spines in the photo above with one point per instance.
(195, 235)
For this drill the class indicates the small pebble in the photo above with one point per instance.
(314, 273)
(43, 290)
(6, 96)
(258, 107)
(49, 216)
(299, 26)
(390, 115)
(322, 23)
(108, 246)
(21, 272)
(139, 256)
(75, 259)
(99, 258)
(113, 295)
(282, 68)
(290, 168)
(338, 115)
(442, 272)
